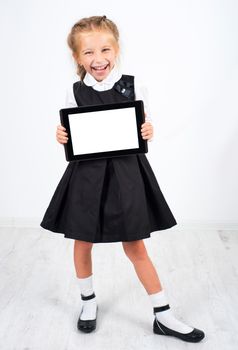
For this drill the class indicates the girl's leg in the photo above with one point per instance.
(137, 253)
(83, 269)
(82, 258)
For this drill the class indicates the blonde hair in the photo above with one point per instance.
(88, 24)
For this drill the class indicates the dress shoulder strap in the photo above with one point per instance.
(125, 86)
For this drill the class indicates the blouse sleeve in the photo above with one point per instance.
(70, 99)
(141, 93)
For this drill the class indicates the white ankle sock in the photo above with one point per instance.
(89, 306)
(166, 317)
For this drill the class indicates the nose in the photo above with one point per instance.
(98, 57)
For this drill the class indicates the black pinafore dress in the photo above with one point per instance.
(112, 199)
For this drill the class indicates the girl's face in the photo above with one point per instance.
(97, 52)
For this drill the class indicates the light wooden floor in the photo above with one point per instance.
(40, 300)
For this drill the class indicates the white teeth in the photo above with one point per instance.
(100, 67)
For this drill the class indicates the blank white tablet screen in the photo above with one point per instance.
(104, 131)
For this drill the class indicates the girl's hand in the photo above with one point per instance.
(147, 131)
(61, 135)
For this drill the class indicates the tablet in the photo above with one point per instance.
(102, 131)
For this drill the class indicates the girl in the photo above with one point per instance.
(115, 199)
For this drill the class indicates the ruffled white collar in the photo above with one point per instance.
(105, 84)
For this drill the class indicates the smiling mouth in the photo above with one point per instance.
(100, 68)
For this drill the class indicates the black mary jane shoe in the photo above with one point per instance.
(87, 326)
(193, 337)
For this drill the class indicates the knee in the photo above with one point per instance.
(135, 250)
(83, 247)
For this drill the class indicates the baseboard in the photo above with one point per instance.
(182, 225)
(20, 222)
(206, 225)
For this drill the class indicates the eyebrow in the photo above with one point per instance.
(86, 50)
(103, 47)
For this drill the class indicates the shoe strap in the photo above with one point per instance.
(83, 297)
(161, 308)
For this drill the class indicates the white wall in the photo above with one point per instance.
(187, 54)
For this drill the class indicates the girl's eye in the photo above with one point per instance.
(87, 52)
(106, 49)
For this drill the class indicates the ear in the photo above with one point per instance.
(117, 50)
(76, 58)
(117, 54)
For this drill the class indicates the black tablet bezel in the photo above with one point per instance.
(140, 119)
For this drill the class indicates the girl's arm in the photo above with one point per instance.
(70, 99)
(61, 135)
(141, 93)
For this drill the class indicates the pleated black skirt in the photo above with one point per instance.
(108, 200)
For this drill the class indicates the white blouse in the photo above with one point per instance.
(106, 84)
